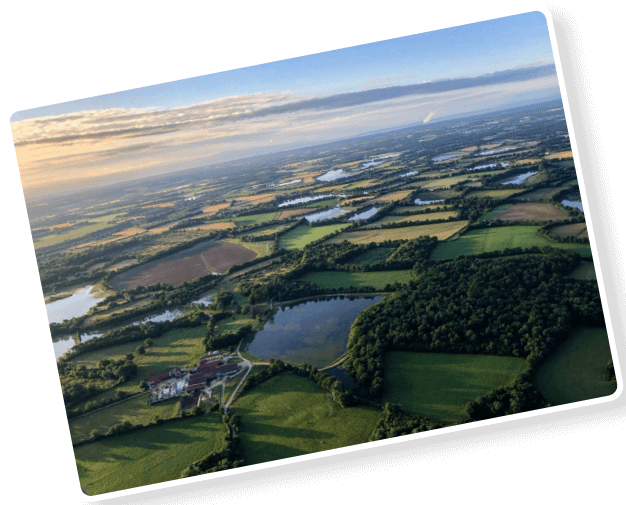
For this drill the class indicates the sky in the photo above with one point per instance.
(285, 105)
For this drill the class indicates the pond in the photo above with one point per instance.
(427, 202)
(304, 199)
(573, 204)
(364, 215)
(377, 161)
(408, 174)
(496, 151)
(520, 178)
(168, 315)
(295, 181)
(333, 175)
(314, 332)
(205, 300)
(64, 344)
(73, 306)
(447, 157)
(339, 373)
(325, 214)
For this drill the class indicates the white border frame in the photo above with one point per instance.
(590, 213)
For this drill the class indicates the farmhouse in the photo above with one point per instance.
(226, 369)
(155, 379)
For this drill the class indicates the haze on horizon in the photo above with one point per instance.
(285, 105)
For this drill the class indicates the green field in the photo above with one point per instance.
(574, 372)
(303, 235)
(584, 272)
(430, 216)
(74, 232)
(255, 219)
(487, 216)
(497, 194)
(497, 239)
(290, 415)
(374, 256)
(136, 410)
(152, 455)
(439, 386)
(377, 280)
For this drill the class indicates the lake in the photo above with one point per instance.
(73, 306)
(496, 151)
(326, 214)
(314, 332)
(303, 199)
(575, 205)
(447, 157)
(333, 175)
(377, 161)
(364, 215)
(408, 174)
(168, 315)
(205, 300)
(520, 178)
(426, 202)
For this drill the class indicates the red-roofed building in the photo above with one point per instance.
(196, 387)
(206, 367)
(226, 369)
(153, 379)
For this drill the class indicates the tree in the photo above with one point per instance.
(94, 434)
(140, 350)
(148, 342)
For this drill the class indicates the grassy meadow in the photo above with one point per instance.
(303, 235)
(376, 280)
(574, 372)
(290, 416)
(439, 386)
(441, 230)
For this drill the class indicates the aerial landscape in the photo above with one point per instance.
(270, 266)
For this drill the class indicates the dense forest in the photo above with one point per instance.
(520, 306)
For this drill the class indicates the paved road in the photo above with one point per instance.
(245, 364)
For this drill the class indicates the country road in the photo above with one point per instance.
(247, 364)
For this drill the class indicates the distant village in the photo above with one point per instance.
(192, 385)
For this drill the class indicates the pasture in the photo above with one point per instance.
(584, 272)
(496, 194)
(541, 194)
(570, 230)
(290, 416)
(373, 256)
(430, 216)
(392, 197)
(526, 212)
(148, 456)
(288, 214)
(212, 209)
(441, 230)
(196, 261)
(574, 372)
(78, 230)
(377, 280)
(415, 208)
(439, 385)
(136, 410)
(255, 218)
(497, 239)
(303, 235)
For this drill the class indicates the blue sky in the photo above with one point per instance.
(288, 104)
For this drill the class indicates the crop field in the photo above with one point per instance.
(439, 386)
(415, 208)
(574, 372)
(541, 194)
(176, 268)
(570, 230)
(218, 225)
(430, 216)
(76, 231)
(526, 212)
(303, 235)
(290, 416)
(392, 197)
(496, 194)
(446, 182)
(255, 218)
(212, 209)
(155, 454)
(560, 156)
(340, 280)
(260, 248)
(497, 239)
(288, 214)
(441, 230)
(268, 231)
(374, 256)
(257, 199)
